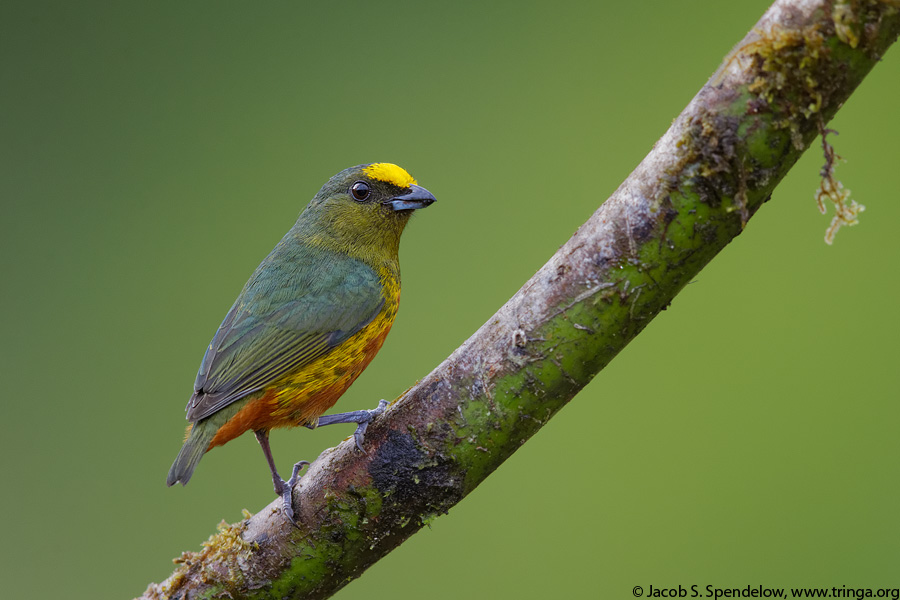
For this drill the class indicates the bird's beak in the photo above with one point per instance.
(418, 197)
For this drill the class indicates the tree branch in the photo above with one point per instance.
(690, 196)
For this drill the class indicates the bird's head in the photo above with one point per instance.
(363, 209)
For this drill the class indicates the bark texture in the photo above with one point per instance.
(694, 192)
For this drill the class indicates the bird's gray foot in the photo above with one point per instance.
(285, 489)
(362, 418)
(282, 488)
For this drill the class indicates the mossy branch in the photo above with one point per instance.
(712, 170)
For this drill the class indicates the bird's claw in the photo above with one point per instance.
(287, 501)
(287, 488)
(362, 418)
(360, 432)
(295, 474)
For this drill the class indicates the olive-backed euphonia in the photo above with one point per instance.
(310, 319)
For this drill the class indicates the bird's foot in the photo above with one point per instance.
(361, 427)
(362, 418)
(285, 489)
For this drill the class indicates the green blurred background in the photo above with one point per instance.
(154, 152)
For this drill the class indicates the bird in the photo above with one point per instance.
(311, 317)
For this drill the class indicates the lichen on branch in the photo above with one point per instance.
(846, 211)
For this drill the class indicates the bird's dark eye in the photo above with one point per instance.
(360, 190)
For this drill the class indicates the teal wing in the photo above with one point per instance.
(293, 309)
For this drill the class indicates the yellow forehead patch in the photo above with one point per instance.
(390, 173)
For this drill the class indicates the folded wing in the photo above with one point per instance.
(289, 313)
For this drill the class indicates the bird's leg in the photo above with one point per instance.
(362, 418)
(282, 488)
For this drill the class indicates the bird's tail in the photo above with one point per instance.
(195, 446)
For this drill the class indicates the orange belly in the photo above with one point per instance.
(301, 397)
